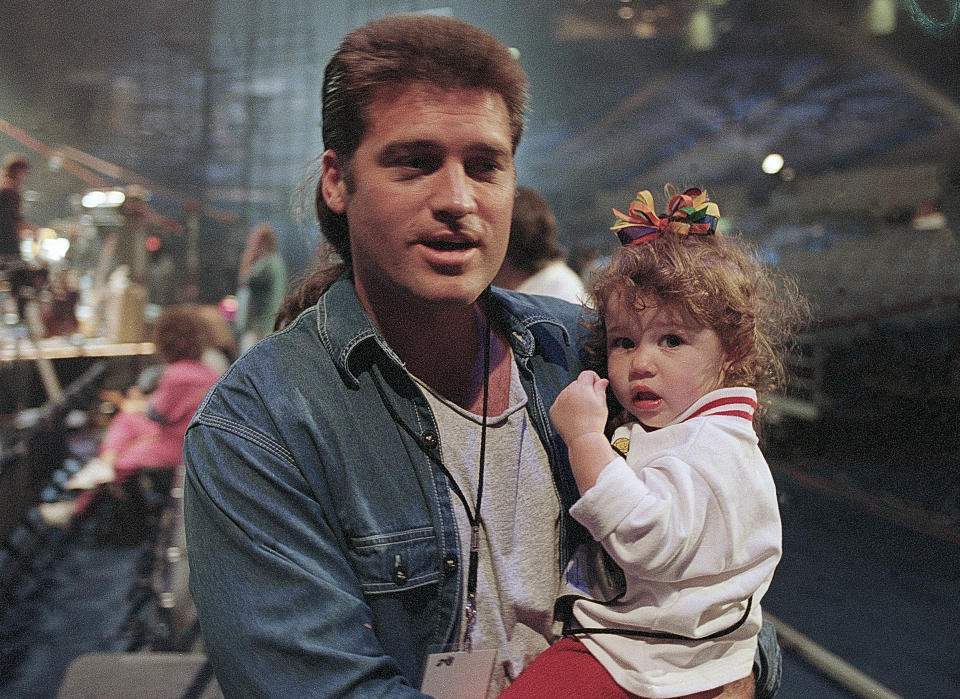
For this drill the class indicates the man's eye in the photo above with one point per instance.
(423, 163)
(482, 168)
(671, 341)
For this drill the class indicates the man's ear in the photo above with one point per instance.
(333, 186)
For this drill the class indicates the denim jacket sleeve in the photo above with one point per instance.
(262, 554)
(322, 547)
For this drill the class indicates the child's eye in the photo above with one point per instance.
(621, 343)
(671, 340)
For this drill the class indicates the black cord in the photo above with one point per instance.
(664, 635)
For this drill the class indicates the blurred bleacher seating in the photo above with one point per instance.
(149, 644)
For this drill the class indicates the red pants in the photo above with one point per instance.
(566, 669)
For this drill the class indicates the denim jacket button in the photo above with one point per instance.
(429, 439)
(450, 565)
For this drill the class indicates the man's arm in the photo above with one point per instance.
(280, 610)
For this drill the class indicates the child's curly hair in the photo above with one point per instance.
(721, 284)
(181, 332)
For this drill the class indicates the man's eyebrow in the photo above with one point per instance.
(403, 147)
(426, 145)
(491, 151)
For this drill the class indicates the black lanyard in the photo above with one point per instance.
(473, 515)
(475, 518)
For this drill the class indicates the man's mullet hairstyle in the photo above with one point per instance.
(397, 50)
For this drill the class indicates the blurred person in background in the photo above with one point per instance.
(127, 245)
(535, 264)
(16, 168)
(148, 430)
(261, 282)
(222, 346)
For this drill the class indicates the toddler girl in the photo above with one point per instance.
(689, 328)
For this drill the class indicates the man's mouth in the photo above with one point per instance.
(449, 245)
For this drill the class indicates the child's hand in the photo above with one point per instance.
(581, 408)
(580, 415)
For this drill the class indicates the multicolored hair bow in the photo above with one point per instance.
(689, 213)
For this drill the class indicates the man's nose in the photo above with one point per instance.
(453, 194)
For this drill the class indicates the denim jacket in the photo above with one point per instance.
(323, 551)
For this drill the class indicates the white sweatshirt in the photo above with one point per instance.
(691, 516)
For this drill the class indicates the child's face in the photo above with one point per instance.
(659, 361)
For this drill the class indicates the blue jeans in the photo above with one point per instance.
(768, 662)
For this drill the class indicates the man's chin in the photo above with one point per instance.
(454, 289)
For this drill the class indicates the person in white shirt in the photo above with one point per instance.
(535, 264)
(689, 328)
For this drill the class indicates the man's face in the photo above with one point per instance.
(432, 186)
(660, 361)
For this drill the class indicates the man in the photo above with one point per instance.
(349, 509)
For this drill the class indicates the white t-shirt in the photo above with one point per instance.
(519, 568)
(556, 279)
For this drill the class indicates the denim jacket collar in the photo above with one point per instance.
(342, 332)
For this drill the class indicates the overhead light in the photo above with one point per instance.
(54, 248)
(625, 12)
(881, 17)
(700, 35)
(97, 198)
(772, 164)
(644, 30)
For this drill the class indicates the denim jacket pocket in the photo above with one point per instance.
(394, 562)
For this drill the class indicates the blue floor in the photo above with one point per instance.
(76, 605)
(871, 565)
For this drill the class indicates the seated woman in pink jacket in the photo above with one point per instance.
(149, 433)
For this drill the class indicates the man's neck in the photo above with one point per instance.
(445, 349)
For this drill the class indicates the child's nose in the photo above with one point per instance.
(642, 361)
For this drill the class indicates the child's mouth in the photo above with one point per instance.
(646, 400)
